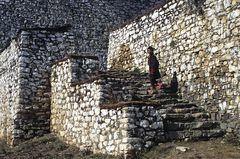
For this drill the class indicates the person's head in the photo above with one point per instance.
(150, 50)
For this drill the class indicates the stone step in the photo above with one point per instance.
(142, 87)
(148, 86)
(181, 104)
(168, 103)
(193, 134)
(165, 102)
(200, 125)
(185, 110)
(167, 95)
(155, 97)
(186, 117)
(141, 97)
(147, 91)
(142, 92)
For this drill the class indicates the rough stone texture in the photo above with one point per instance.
(76, 115)
(197, 39)
(25, 86)
(90, 19)
(9, 90)
(111, 112)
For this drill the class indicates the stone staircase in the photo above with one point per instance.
(187, 121)
(183, 120)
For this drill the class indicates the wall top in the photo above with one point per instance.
(159, 5)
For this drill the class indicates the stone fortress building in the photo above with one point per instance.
(60, 28)
(52, 51)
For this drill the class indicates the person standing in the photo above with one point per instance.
(154, 73)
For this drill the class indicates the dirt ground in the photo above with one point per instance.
(50, 147)
(213, 149)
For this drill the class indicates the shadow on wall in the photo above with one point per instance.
(195, 7)
(124, 59)
(174, 83)
(210, 81)
(173, 86)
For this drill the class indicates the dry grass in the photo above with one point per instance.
(213, 149)
(50, 147)
(46, 147)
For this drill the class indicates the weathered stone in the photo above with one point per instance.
(144, 123)
(189, 39)
(182, 148)
(209, 76)
(157, 125)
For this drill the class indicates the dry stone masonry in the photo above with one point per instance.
(33, 36)
(111, 112)
(9, 89)
(53, 77)
(197, 39)
(90, 19)
(78, 118)
(25, 82)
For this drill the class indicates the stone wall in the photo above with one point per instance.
(9, 90)
(38, 51)
(90, 20)
(25, 75)
(197, 39)
(79, 119)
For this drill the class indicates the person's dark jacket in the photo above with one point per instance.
(153, 66)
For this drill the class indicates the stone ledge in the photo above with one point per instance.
(91, 80)
(63, 28)
(75, 57)
(102, 75)
(132, 103)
